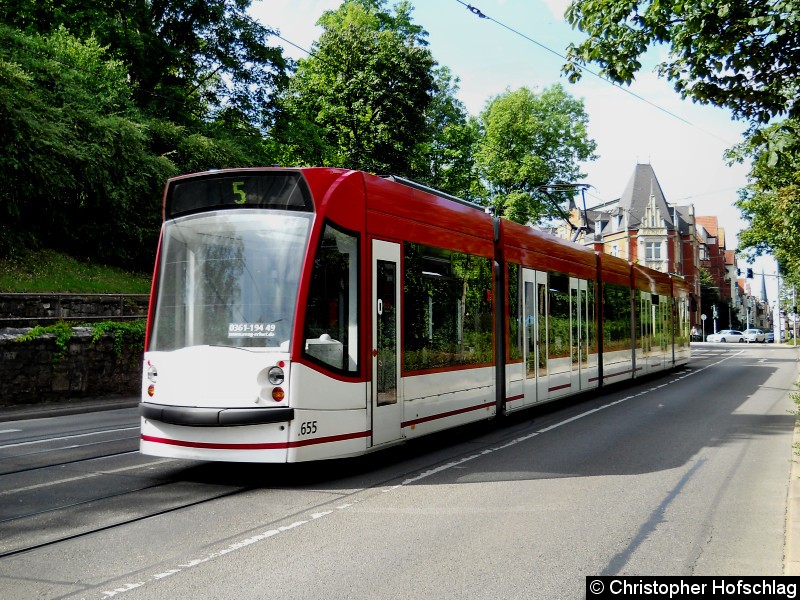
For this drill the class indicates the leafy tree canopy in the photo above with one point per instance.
(73, 159)
(81, 169)
(445, 157)
(100, 102)
(771, 200)
(187, 59)
(360, 99)
(743, 55)
(532, 140)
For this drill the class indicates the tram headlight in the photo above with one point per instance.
(275, 376)
(152, 373)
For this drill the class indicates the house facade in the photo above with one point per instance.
(643, 227)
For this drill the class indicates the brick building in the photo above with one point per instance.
(643, 227)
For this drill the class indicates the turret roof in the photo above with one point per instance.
(642, 185)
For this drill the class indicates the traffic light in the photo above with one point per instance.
(749, 273)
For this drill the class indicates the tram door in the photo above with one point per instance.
(534, 304)
(387, 409)
(644, 343)
(582, 307)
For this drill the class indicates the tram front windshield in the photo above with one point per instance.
(229, 278)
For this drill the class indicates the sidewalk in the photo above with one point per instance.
(68, 407)
(791, 553)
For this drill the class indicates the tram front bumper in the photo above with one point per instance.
(214, 417)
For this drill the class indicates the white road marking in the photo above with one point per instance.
(85, 476)
(66, 437)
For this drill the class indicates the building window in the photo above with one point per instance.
(652, 250)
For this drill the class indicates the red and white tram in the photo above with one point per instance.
(316, 313)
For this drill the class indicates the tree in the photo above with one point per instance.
(81, 169)
(710, 298)
(75, 170)
(445, 160)
(532, 140)
(188, 60)
(360, 99)
(743, 56)
(771, 200)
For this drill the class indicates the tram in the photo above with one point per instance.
(319, 313)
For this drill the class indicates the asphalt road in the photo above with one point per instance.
(686, 474)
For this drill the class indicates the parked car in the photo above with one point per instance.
(754, 335)
(726, 335)
(770, 336)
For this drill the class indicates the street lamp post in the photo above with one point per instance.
(794, 315)
(747, 310)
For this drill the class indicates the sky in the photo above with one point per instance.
(519, 46)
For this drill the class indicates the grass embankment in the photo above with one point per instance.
(46, 271)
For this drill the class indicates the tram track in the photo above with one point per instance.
(76, 504)
(6, 553)
(71, 447)
(73, 436)
(48, 452)
(64, 487)
(62, 463)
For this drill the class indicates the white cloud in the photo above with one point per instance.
(557, 7)
(295, 20)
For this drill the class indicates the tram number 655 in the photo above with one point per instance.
(308, 427)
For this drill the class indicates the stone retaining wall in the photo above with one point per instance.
(36, 371)
(26, 310)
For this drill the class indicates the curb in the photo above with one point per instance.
(791, 553)
(791, 558)
(69, 407)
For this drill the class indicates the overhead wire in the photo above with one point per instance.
(478, 13)
(481, 15)
(291, 43)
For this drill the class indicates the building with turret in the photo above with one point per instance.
(642, 227)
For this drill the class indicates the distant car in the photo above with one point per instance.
(726, 335)
(769, 337)
(754, 335)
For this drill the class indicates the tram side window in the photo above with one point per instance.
(584, 327)
(331, 328)
(448, 309)
(664, 316)
(645, 320)
(616, 317)
(559, 318)
(591, 318)
(689, 307)
(514, 312)
(680, 323)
